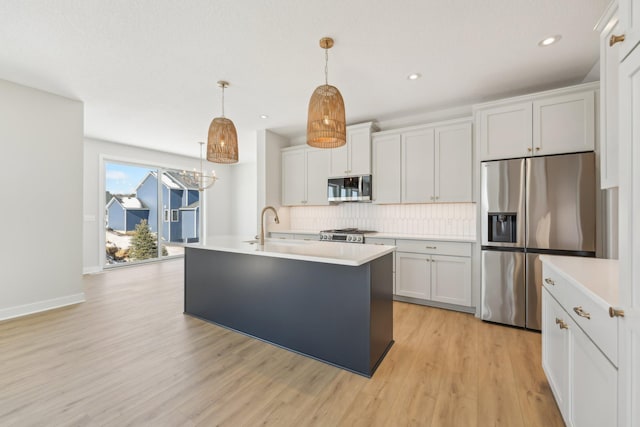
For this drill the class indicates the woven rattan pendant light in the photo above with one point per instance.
(326, 125)
(222, 144)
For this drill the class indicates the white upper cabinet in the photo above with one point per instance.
(293, 177)
(564, 124)
(304, 176)
(417, 166)
(316, 176)
(609, 68)
(453, 163)
(424, 164)
(386, 169)
(553, 122)
(505, 131)
(353, 158)
(629, 26)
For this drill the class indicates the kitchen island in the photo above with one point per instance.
(330, 301)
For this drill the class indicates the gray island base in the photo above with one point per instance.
(338, 314)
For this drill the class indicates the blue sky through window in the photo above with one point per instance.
(123, 179)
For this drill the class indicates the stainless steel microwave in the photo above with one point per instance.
(350, 189)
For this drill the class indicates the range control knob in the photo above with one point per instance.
(349, 238)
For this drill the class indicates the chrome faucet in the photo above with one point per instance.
(266, 208)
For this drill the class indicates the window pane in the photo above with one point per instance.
(181, 201)
(131, 213)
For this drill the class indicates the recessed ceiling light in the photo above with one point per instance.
(549, 40)
(414, 76)
(264, 116)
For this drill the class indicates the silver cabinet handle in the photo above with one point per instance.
(431, 247)
(549, 281)
(580, 312)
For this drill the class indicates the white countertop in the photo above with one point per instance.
(436, 237)
(315, 251)
(599, 276)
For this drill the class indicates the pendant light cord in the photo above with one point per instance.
(326, 66)
(222, 100)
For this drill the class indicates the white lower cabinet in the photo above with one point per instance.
(593, 383)
(435, 272)
(583, 379)
(555, 348)
(451, 280)
(413, 275)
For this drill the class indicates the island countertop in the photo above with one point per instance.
(327, 252)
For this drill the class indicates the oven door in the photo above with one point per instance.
(349, 189)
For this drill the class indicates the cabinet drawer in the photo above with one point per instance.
(379, 241)
(592, 317)
(434, 247)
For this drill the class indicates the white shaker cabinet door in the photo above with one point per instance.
(359, 151)
(293, 178)
(555, 349)
(564, 124)
(609, 68)
(413, 273)
(629, 354)
(453, 163)
(593, 385)
(386, 169)
(505, 131)
(339, 161)
(417, 166)
(629, 11)
(318, 161)
(451, 280)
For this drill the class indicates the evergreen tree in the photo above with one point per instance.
(143, 242)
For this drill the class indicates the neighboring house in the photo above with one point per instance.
(124, 213)
(180, 208)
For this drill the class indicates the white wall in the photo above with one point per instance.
(41, 215)
(244, 198)
(217, 198)
(269, 176)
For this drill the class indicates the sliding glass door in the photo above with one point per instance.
(149, 213)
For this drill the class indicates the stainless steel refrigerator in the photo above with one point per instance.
(532, 206)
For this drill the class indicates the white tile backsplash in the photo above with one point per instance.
(445, 219)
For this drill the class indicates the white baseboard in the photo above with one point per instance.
(92, 269)
(36, 307)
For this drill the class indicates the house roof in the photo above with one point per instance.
(193, 205)
(180, 179)
(129, 203)
(171, 180)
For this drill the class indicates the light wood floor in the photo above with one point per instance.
(128, 356)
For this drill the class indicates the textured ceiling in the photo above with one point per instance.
(147, 69)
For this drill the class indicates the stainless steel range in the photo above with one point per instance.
(348, 235)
